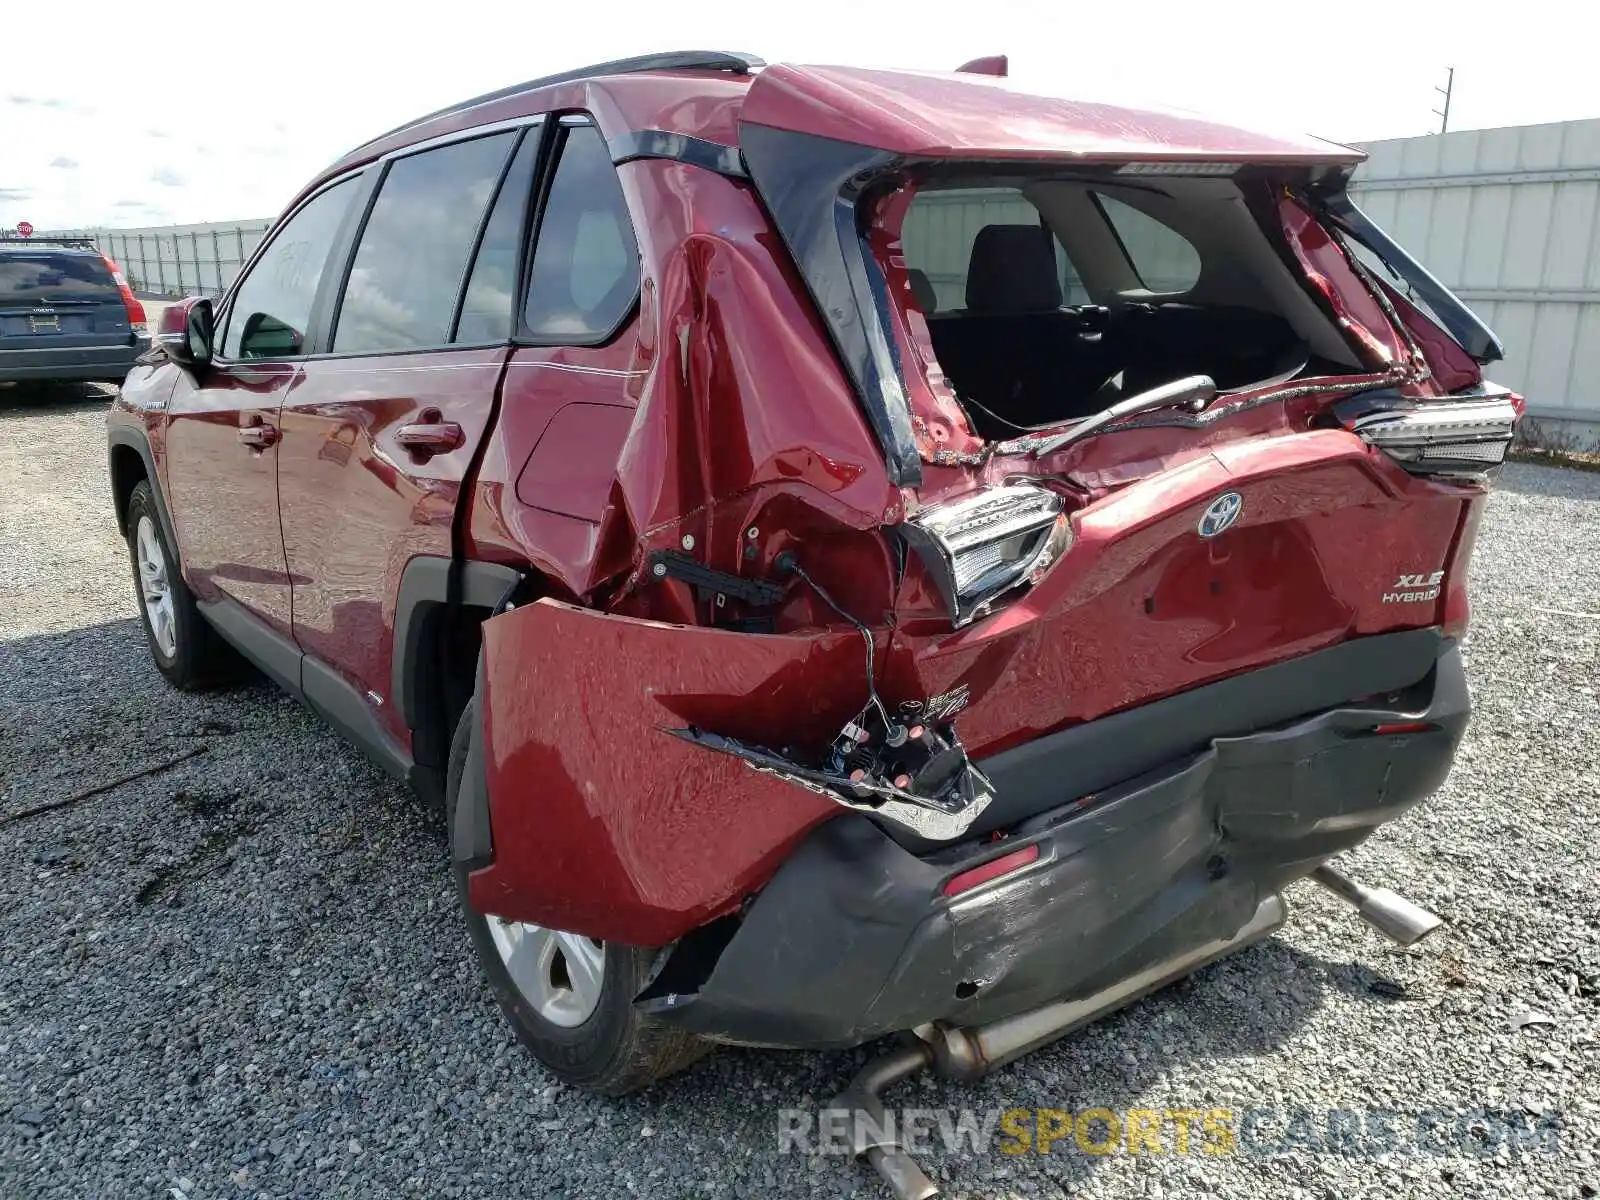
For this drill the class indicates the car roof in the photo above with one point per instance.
(967, 115)
(703, 94)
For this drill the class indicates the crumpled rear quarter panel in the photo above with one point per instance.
(607, 826)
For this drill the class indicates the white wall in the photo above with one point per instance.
(1510, 220)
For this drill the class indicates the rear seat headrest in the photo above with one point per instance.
(1012, 270)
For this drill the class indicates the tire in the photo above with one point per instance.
(187, 650)
(614, 1049)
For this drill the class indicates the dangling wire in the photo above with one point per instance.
(793, 564)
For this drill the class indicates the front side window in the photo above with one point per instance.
(271, 309)
(412, 257)
(586, 264)
(1163, 258)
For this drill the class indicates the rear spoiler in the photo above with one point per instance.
(1459, 321)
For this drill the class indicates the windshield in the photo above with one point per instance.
(43, 276)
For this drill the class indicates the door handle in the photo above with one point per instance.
(431, 435)
(259, 436)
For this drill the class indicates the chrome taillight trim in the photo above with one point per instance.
(983, 519)
(1443, 437)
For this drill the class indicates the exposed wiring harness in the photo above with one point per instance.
(788, 563)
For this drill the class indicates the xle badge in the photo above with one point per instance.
(1220, 513)
(1415, 589)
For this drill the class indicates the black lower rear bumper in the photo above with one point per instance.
(853, 937)
(71, 364)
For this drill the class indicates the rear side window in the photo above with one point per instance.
(941, 228)
(271, 308)
(1161, 257)
(487, 307)
(412, 257)
(586, 265)
(33, 277)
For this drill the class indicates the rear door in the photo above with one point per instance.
(383, 427)
(59, 300)
(222, 430)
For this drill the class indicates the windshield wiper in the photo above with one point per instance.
(1192, 393)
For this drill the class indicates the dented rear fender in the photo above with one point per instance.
(603, 822)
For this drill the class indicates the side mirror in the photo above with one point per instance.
(185, 332)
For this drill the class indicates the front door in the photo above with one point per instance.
(222, 432)
(381, 430)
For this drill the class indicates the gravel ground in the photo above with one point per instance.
(245, 976)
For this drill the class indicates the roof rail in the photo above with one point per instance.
(672, 60)
(44, 239)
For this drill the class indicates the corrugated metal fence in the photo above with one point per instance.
(1510, 220)
(180, 260)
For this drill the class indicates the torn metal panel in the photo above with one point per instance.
(939, 815)
(604, 825)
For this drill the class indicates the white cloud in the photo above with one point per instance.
(252, 108)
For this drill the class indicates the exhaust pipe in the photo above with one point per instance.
(1390, 913)
(870, 1135)
(968, 1054)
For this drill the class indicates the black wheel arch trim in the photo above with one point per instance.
(471, 842)
(127, 437)
(430, 582)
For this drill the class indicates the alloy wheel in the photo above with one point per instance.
(560, 974)
(155, 586)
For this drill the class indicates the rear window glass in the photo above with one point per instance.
(45, 276)
(1163, 258)
(941, 227)
(586, 264)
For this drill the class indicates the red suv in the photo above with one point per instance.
(857, 551)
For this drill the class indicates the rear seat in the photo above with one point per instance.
(1014, 349)
(1016, 352)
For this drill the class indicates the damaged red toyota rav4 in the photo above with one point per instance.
(857, 551)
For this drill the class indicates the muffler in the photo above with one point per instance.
(1390, 913)
(970, 1053)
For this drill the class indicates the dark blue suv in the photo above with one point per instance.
(66, 314)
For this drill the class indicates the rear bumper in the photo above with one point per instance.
(853, 937)
(68, 364)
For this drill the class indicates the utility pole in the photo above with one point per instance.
(1444, 114)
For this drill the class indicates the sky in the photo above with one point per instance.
(221, 112)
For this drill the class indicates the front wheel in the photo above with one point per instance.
(569, 997)
(187, 651)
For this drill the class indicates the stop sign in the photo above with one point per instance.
(25, 228)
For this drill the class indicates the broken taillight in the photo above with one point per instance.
(985, 544)
(1458, 436)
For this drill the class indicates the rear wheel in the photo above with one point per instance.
(569, 997)
(187, 651)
